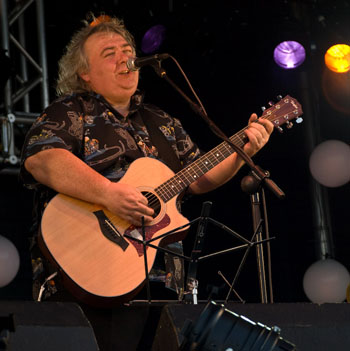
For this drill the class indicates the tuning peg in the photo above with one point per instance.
(279, 97)
(280, 129)
(299, 120)
(289, 124)
(271, 103)
(263, 108)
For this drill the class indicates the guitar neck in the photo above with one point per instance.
(196, 169)
(283, 112)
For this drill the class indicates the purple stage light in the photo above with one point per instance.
(289, 54)
(153, 39)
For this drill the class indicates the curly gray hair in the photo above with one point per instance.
(74, 61)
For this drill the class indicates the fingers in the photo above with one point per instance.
(134, 211)
(253, 117)
(128, 203)
(256, 138)
(141, 198)
(262, 121)
(258, 133)
(135, 218)
(266, 124)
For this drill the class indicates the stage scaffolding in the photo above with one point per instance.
(25, 91)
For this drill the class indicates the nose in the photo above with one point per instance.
(123, 57)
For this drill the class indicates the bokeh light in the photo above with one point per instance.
(337, 58)
(9, 261)
(330, 163)
(326, 281)
(289, 54)
(153, 39)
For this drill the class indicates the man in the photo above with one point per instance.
(84, 142)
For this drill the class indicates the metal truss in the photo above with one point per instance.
(26, 88)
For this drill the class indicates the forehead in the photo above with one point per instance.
(102, 39)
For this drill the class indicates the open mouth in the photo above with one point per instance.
(126, 71)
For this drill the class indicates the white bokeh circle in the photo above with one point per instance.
(326, 281)
(330, 163)
(9, 261)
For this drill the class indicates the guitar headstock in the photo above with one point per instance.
(283, 112)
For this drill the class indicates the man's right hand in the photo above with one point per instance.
(128, 203)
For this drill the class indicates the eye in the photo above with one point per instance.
(128, 51)
(111, 53)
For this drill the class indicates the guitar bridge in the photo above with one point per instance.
(110, 231)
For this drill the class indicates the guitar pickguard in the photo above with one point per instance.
(136, 232)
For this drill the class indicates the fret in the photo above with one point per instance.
(227, 149)
(207, 163)
(196, 172)
(240, 142)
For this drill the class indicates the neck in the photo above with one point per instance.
(123, 110)
(121, 105)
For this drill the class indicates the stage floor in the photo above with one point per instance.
(157, 326)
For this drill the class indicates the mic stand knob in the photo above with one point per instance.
(250, 184)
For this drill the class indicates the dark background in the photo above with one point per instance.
(226, 49)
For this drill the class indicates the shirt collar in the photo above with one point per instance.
(135, 101)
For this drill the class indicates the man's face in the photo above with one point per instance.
(108, 75)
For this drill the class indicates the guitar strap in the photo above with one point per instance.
(158, 139)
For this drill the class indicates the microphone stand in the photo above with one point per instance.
(259, 175)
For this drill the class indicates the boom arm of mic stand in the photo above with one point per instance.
(257, 171)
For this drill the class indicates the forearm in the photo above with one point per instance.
(62, 171)
(217, 176)
(258, 135)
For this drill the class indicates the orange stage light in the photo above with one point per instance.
(337, 58)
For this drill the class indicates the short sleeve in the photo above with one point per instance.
(59, 126)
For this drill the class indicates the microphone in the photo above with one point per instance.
(135, 63)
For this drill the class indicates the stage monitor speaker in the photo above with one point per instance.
(308, 326)
(47, 326)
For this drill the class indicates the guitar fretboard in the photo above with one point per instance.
(195, 170)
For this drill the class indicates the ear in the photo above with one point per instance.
(85, 76)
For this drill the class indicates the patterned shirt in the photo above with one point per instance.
(89, 127)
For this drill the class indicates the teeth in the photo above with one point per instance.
(125, 72)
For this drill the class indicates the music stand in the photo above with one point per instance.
(192, 282)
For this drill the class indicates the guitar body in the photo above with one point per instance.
(96, 266)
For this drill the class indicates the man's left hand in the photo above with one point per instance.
(258, 133)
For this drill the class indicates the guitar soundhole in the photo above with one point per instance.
(153, 202)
